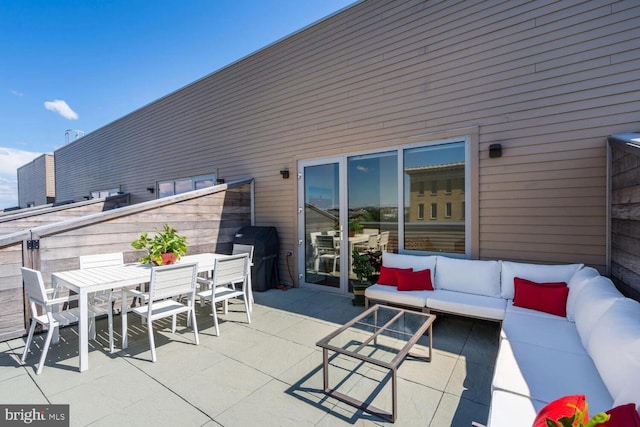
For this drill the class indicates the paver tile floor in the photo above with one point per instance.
(266, 373)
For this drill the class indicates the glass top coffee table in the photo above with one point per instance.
(382, 336)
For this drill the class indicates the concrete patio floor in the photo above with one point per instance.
(266, 373)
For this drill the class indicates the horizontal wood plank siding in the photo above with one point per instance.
(550, 81)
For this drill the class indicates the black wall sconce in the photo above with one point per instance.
(151, 190)
(285, 173)
(495, 150)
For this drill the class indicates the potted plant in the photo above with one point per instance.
(364, 270)
(166, 247)
(355, 227)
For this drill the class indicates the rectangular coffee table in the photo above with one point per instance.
(382, 336)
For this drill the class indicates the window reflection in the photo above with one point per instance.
(442, 169)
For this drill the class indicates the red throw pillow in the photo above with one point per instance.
(547, 297)
(388, 275)
(563, 407)
(622, 416)
(414, 280)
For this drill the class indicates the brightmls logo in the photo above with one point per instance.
(35, 415)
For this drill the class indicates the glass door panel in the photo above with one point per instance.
(373, 205)
(322, 224)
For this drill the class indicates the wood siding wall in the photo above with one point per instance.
(550, 81)
(209, 218)
(625, 216)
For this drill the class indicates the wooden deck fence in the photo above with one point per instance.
(209, 218)
(624, 181)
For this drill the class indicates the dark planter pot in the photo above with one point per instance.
(358, 292)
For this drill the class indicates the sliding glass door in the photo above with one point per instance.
(405, 199)
(320, 209)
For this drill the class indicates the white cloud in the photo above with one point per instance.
(61, 107)
(16, 93)
(11, 159)
(8, 192)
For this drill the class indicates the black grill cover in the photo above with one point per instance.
(264, 273)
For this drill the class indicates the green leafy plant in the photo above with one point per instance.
(166, 241)
(355, 226)
(362, 266)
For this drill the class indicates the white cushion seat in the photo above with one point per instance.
(391, 295)
(473, 305)
(546, 374)
(509, 409)
(527, 326)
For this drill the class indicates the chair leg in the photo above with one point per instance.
(246, 307)
(194, 324)
(32, 329)
(92, 328)
(152, 343)
(215, 318)
(110, 316)
(173, 324)
(45, 350)
(250, 292)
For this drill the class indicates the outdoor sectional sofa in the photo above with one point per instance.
(593, 350)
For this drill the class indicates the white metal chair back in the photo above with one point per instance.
(373, 241)
(239, 248)
(168, 281)
(325, 243)
(384, 241)
(101, 260)
(34, 286)
(47, 311)
(228, 272)
(231, 270)
(172, 280)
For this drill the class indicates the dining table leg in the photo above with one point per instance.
(83, 329)
(123, 317)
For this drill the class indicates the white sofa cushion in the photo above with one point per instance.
(546, 374)
(550, 331)
(614, 346)
(535, 272)
(468, 276)
(596, 297)
(417, 262)
(576, 283)
(510, 409)
(466, 304)
(392, 295)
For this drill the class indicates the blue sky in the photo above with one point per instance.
(83, 64)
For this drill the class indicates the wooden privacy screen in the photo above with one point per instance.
(624, 171)
(208, 217)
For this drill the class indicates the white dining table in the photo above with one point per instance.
(87, 281)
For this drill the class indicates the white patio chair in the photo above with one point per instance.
(106, 297)
(239, 248)
(168, 282)
(46, 310)
(370, 245)
(227, 273)
(327, 249)
(383, 241)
